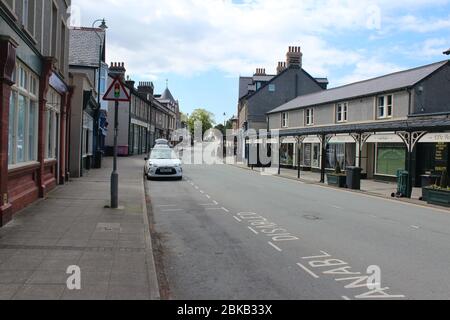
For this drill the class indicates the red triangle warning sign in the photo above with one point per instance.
(117, 92)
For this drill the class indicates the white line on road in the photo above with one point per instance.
(216, 203)
(415, 227)
(207, 205)
(172, 210)
(275, 247)
(346, 298)
(202, 192)
(166, 205)
(237, 219)
(253, 230)
(337, 207)
(308, 271)
(226, 210)
(197, 188)
(208, 196)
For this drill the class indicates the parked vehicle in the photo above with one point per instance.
(163, 163)
(159, 142)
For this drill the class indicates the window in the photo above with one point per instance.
(342, 112)
(88, 135)
(28, 11)
(54, 29)
(284, 120)
(53, 108)
(385, 106)
(62, 60)
(309, 117)
(23, 126)
(258, 85)
(390, 158)
(342, 153)
(272, 87)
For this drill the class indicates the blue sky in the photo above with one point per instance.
(202, 46)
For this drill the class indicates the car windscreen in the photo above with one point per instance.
(163, 154)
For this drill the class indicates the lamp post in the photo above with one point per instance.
(103, 27)
(447, 52)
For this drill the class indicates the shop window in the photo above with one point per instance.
(390, 158)
(287, 154)
(53, 108)
(315, 162)
(88, 135)
(335, 155)
(22, 127)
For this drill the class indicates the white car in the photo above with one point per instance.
(163, 163)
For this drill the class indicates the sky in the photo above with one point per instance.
(202, 46)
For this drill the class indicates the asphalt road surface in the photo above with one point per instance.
(228, 233)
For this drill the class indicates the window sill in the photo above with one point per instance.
(24, 165)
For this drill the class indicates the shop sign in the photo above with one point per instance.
(441, 156)
(436, 138)
(385, 138)
(342, 139)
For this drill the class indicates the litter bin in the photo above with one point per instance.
(403, 191)
(354, 178)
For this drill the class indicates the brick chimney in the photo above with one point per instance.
(260, 72)
(281, 67)
(146, 88)
(294, 57)
(117, 69)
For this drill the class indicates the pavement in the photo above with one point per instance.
(229, 233)
(72, 227)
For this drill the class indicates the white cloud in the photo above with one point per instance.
(192, 36)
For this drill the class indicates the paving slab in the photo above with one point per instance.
(73, 227)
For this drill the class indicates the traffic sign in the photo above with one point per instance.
(117, 92)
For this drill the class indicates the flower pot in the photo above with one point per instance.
(439, 197)
(337, 180)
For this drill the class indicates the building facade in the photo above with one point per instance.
(34, 99)
(142, 120)
(395, 122)
(172, 109)
(88, 72)
(262, 93)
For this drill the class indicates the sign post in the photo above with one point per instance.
(117, 93)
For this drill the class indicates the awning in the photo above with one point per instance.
(385, 138)
(436, 138)
(311, 139)
(289, 140)
(342, 139)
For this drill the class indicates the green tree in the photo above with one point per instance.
(223, 129)
(203, 116)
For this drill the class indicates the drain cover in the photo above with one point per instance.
(311, 217)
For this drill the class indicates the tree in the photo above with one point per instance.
(221, 128)
(203, 116)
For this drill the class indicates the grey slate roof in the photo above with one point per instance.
(84, 46)
(167, 96)
(394, 81)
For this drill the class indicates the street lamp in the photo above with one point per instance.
(103, 27)
(447, 52)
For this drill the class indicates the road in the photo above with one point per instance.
(229, 233)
